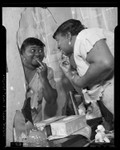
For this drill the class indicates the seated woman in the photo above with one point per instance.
(39, 82)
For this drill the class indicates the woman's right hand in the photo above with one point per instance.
(65, 65)
(43, 71)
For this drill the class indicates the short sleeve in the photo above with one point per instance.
(91, 36)
(85, 41)
(51, 78)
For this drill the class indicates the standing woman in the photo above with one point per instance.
(93, 59)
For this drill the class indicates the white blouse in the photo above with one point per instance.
(85, 41)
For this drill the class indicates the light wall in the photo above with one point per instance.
(22, 22)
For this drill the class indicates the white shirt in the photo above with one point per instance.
(85, 41)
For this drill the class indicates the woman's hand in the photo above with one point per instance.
(65, 65)
(43, 70)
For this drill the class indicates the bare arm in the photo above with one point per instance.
(49, 92)
(101, 65)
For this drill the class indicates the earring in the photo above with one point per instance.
(69, 43)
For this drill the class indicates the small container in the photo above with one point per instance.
(37, 138)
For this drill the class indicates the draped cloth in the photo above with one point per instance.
(31, 112)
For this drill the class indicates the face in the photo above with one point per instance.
(63, 44)
(33, 52)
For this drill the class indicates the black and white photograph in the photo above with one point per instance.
(60, 76)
